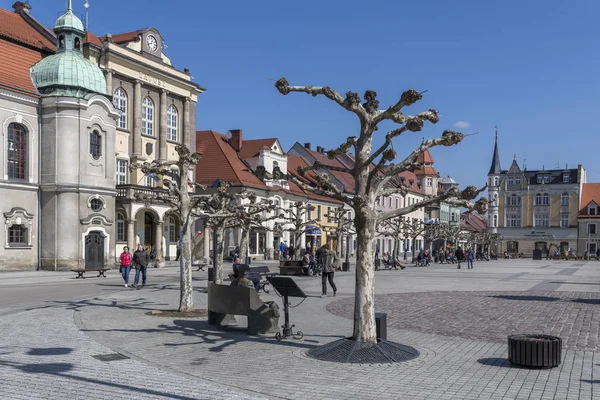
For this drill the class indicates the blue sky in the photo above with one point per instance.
(531, 68)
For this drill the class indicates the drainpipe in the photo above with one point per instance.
(39, 167)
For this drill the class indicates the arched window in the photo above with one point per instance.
(495, 221)
(148, 116)
(173, 230)
(121, 232)
(95, 145)
(538, 199)
(120, 102)
(61, 42)
(17, 151)
(546, 199)
(495, 181)
(77, 44)
(564, 199)
(172, 123)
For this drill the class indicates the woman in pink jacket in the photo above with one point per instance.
(125, 264)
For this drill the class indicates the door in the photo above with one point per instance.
(94, 250)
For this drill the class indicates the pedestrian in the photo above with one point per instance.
(459, 256)
(178, 254)
(292, 251)
(141, 259)
(470, 258)
(330, 261)
(241, 271)
(282, 249)
(125, 264)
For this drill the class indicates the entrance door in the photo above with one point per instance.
(148, 232)
(94, 250)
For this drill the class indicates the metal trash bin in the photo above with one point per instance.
(345, 266)
(381, 325)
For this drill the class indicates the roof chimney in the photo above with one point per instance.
(319, 149)
(236, 139)
(21, 6)
(307, 146)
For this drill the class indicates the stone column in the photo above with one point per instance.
(162, 136)
(131, 235)
(137, 119)
(109, 88)
(186, 138)
(269, 244)
(158, 245)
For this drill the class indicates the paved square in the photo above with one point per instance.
(457, 319)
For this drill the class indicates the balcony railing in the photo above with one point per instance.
(144, 194)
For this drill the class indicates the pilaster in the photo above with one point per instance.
(162, 138)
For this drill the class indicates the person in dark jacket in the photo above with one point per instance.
(330, 262)
(141, 259)
(459, 254)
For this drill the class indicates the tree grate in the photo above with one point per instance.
(349, 351)
(110, 357)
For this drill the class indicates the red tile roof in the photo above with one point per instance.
(14, 27)
(426, 170)
(293, 163)
(425, 157)
(15, 61)
(590, 192)
(93, 39)
(473, 222)
(220, 160)
(121, 38)
(408, 178)
(345, 178)
(251, 148)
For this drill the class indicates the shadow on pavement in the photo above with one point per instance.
(132, 304)
(61, 369)
(525, 298)
(495, 362)
(587, 301)
(592, 381)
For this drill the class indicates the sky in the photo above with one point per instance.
(528, 67)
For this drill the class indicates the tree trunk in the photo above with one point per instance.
(219, 261)
(186, 290)
(364, 299)
(244, 245)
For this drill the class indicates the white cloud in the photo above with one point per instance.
(462, 124)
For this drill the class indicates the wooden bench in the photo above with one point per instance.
(225, 301)
(82, 271)
(291, 267)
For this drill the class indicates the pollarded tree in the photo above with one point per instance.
(298, 221)
(372, 171)
(342, 226)
(182, 205)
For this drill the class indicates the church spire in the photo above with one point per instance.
(495, 168)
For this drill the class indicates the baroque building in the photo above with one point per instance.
(75, 111)
(534, 209)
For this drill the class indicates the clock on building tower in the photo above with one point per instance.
(152, 43)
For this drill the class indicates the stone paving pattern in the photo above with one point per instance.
(187, 358)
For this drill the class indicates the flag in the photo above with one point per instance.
(153, 176)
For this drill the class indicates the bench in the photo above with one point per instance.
(226, 301)
(261, 272)
(291, 267)
(199, 265)
(82, 271)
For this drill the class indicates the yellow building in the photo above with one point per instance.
(534, 209)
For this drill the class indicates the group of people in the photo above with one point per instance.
(286, 252)
(138, 261)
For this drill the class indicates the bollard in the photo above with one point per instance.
(381, 325)
(345, 266)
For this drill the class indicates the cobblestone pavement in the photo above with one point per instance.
(190, 359)
(573, 316)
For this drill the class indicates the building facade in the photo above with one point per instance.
(534, 209)
(588, 242)
(75, 111)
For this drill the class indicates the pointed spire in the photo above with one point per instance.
(495, 167)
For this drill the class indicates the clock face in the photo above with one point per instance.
(152, 42)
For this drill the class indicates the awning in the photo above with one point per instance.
(313, 230)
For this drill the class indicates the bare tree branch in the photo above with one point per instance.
(407, 98)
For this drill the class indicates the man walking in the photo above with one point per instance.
(141, 259)
(470, 257)
(330, 261)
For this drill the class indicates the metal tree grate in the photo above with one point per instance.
(349, 351)
(110, 357)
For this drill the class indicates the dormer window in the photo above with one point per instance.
(543, 178)
(566, 178)
(592, 209)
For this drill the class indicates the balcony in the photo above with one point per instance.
(143, 194)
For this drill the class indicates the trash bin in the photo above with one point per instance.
(381, 325)
(345, 266)
(537, 254)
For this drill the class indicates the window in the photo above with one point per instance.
(328, 214)
(120, 228)
(172, 124)
(511, 181)
(77, 44)
(17, 151)
(121, 172)
(541, 220)
(518, 181)
(389, 202)
(17, 234)
(495, 181)
(542, 199)
(512, 246)
(513, 221)
(546, 199)
(120, 102)
(318, 213)
(495, 221)
(173, 230)
(310, 210)
(148, 116)
(429, 181)
(592, 209)
(591, 228)
(96, 205)
(95, 145)
(566, 178)
(61, 42)
(564, 220)
(513, 200)
(150, 180)
(564, 199)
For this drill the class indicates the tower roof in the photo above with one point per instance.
(495, 167)
(424, 157)
(68, 72)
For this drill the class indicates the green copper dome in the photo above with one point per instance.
(68, 72)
